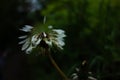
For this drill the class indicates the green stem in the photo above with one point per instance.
(56, 66)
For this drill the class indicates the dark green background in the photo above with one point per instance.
(93, 34)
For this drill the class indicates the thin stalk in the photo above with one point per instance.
(56, 66)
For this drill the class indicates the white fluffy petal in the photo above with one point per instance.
(29, 49)
(57, 44)
(27, 28)
(59, 31)
(21, 42)
(25, 45)
(61, 35)
(34, 38)
(38, 41)
(22, 37)
(61, 42)
(48, 42)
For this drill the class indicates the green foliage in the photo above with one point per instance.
(92, 28)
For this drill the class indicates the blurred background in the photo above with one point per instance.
(93, 35)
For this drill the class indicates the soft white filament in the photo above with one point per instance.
(27, 28)
(22, 37)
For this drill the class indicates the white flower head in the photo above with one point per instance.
(43, 39)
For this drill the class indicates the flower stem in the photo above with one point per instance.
(56, 66)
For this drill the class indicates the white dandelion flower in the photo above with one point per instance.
(42, 39)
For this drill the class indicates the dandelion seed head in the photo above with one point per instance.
(42, 39)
